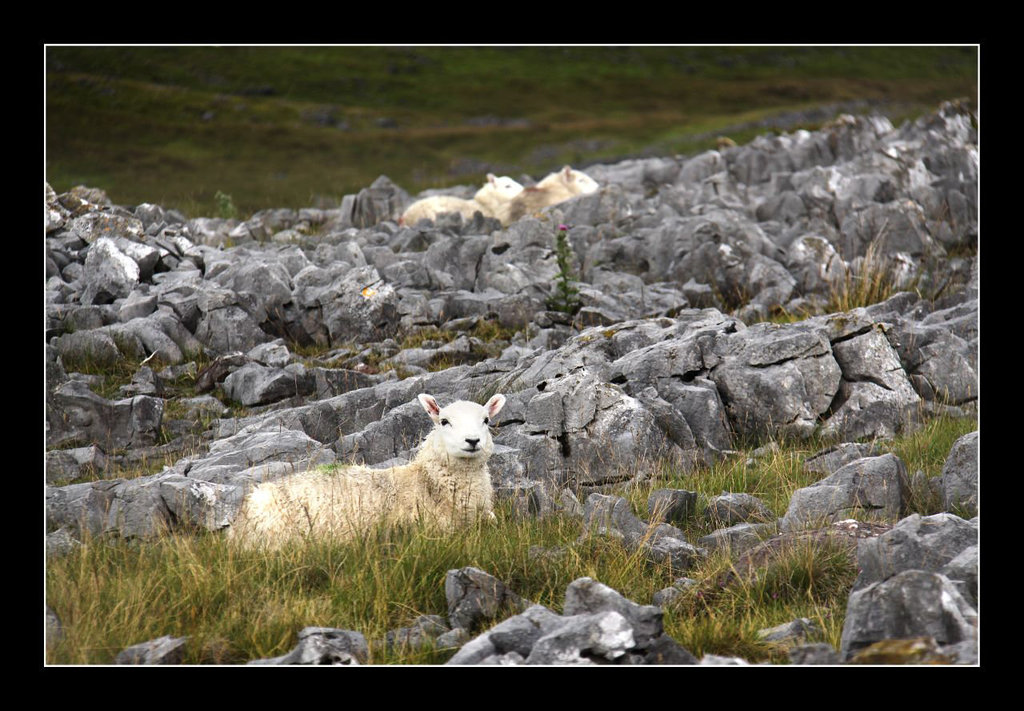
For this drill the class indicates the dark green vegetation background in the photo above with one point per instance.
(302, 126)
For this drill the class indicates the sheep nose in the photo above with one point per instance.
(472, 442)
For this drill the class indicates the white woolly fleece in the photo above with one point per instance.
(446, 485)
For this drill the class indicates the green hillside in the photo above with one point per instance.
(297, 126)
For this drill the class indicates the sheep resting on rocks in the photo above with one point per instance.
(488, 200)
(446, 485)
(553, 189)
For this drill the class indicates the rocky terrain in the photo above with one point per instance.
(261, 347)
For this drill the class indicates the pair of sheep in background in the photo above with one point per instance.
(504, 199)
(447, 484)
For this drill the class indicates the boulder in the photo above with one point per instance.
(475, 597)
(255, 384)
(258, 455)
(671, 505)
(737, 539)
(914, 543)
(75, 414)
(960, 475)
(776, 379)
(163, 650)
(69, 464)
(514, 635)
(110, 273)
(789, 632)
(601, 637)
(732, 508)
(598, 626)
(324, 646)
(588, 596)
(912, 603)
(867, 488)
(875, 399)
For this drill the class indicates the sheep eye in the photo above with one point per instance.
(487, 420)
(444, 422)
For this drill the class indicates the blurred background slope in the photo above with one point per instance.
(302, 126)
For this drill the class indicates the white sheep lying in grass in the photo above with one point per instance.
(495, 193)
(447, 484)
(553, 189)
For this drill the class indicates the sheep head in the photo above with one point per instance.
(463, 428)
(497, 190)
(575, 181)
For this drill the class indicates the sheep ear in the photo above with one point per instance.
(568, 171)
(430, 405)
(495, 404)
(491, 177)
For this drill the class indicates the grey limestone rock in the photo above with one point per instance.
(229, 328)
(110, 273)
(671, 505)
(324, 646)
(95, 347)
(383, 200)
(61, 542)
(875, 398)
(815, 264)
(255, 384)
(777, 379)
(201, 504)
(737, 539)
(75, 414)
(869, 487)
(962, 571)
(475, 597)
(608, 515)
(960, 475)
(599, 626)
(514, 635)
(789, 631)
(588, 596)
(163, 650)
(586, 638)
(731, 508)
(912, 603)
(914, 543)
(69, 464)
(834, 457)
(249, 450)
(425, 630)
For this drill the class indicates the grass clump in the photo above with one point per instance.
(724, 611)
(870, 281)
(236, 605)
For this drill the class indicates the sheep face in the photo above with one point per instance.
(497, 192)
(463, 428)
(576, 181)
(503, 187)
